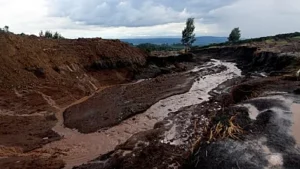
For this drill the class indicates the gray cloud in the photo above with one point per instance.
(137, 18)
(133, 13)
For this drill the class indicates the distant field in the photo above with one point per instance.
(200, 41)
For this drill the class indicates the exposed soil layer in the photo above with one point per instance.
(274, 58)
(41, 76)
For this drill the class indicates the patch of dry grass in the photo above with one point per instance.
(221, 130)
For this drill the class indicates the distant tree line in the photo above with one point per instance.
(5, 29)
(261, 39)
(149, 47)
(50, 35)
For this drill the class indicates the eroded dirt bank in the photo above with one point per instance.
(40, 76)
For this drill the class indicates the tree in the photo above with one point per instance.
(57, 35)
(48, 34)
(235, 35)
(41, 34)
(188, 35)
(6, 28)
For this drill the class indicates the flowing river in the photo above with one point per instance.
(76, 148)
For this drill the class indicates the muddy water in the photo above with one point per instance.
(76, 148)
(296, 122)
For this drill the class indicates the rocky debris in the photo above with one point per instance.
(297, 91)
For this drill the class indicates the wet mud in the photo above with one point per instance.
(270, 139)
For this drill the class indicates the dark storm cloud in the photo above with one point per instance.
(133, 13)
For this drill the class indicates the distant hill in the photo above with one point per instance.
(201, 41)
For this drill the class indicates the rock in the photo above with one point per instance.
(297, 91)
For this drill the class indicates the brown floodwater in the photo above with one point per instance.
(76, 148)
(296, 122)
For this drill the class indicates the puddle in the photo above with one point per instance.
(296, 122)
(77, 148)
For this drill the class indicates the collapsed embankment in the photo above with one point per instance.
(253, 58)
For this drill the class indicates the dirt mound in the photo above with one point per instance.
(29, 60)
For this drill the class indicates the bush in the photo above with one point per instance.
(149, 47)
(57, 36)
(48, 34)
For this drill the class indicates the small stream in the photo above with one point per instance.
(76, 148)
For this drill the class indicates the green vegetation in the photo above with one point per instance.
(5, 29)
(296, 37)
(188, 35)
(235, 35)
(50, 35)
(149, 47)
(266, 39)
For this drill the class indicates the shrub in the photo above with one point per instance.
(57, 35)
(48, 34)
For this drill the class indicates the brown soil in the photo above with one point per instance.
(155, 155)
(30, 163)
(115, 104)
(41, 76)
(27, 133)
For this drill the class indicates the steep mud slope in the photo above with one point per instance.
(39, 77)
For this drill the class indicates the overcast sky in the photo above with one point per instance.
(150, 18)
